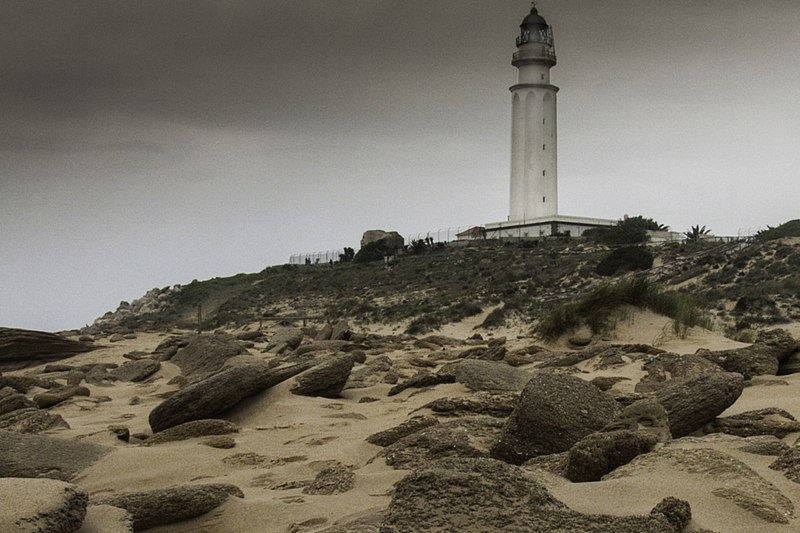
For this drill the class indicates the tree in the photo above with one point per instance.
(696, 233)
(629, 230)
(347, 256)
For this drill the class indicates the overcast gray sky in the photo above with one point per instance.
(152, 142)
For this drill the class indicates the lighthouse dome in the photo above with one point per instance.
(534, 20)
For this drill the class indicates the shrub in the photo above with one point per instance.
(495, 319)
(627, 259)
(629, 230)
(788, 229)
(373, 251)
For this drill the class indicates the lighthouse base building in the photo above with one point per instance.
(534, 165)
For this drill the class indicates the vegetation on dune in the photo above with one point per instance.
(629, 230)
(625, 259)
(599, 308)
(788, 229)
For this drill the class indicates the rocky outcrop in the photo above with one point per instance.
(553, 413)
(662, 368)
(762, 358)
(42, 456)
(480, 375)
(206, 353)
(41, 506)
(693, 403)
(453, 494)
(334, 479)
(597, 454)
(165, 506)
(789, 464)
(770, 421)
(218, 393)
(20, 348)
(326, 379)
(193, 429)
(31, 420)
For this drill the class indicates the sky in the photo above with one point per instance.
(150, 143)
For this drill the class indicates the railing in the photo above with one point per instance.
(316, 258)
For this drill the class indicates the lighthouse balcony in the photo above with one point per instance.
(535, 54)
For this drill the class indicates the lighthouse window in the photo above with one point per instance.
(544, 199)
(544, 147)
(542, 76)
(544, 172)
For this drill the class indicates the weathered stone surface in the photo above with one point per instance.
(136, 370)
(165, 506)
(334, 479)
(480, 375)
(31, 420)
(23, 384)
(250, 335)
(491, 403)
(464, 437)
(193, 429)
(14, 401)
(421, 379)
(789, 464)
(770, 421)
(341, 331)
(645, 416)
(223, 442)
(457, 494)
(206, 353)
(605, 383)
(42, 456)
(218, 393)
(326, 379)
(790, 365)
(677, 512)
(284, 340)
(597, 454)
(20, 348)
(762, 358)
(731, 479)
(392, 435)
(106, 519)
(693, 403)
(665, 367)
(554, 412)
(55, 396)
(41, 506)
(324, 333)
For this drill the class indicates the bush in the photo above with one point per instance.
(495, 319)
(627, 259)
(373, 251)
(629, 230)
(789, 229)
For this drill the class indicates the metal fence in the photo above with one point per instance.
(446, 235)
(316, 258)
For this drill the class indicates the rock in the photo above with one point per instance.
(13, 402)
(464, 437)
(392, 240)
(770, 421)
(605, 383)
(340, 331)
(789, 464)
(480, 375)
(165, 506)
(326, 380)
(193, 429)
(390, 436)
(75, 377)
(677, 512)
(20, 348)
(790, 365)
(597, 454)
(693, 403)
(285, 340)
(218, 393)
(121, 432)
(665, 367)
(41, 506)
(645, 416)
(324, 333)
(250, 335)
(492, 352)
(23, 384)
(223, 442)
(554, 412)
(57, 367)
(116, 337)
(41, 456)
(421, 379)
(580, 338)
(730, 478)
(106, 519)
(206, 353)
(31, 420)
(494, 403)
(136, 370)
(762, 358)
(334, 479)
(56, 396)
(459, 494)
(136, 355)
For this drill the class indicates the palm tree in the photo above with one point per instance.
(696, 233)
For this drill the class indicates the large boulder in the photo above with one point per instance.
(165, 506)
(136, 370)
(207, 353)
(554, 412)
(20, 348)
(218, 393)
(42, 456)
(326, 380)
(392, 240)
(764, 357)
(693, 403)
(665, 367)
(492, 496)
(41, 506)
(479, 375)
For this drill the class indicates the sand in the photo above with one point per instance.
(286, 439)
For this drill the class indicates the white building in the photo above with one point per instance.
(534, 162)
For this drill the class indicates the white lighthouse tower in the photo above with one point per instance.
(534, 170)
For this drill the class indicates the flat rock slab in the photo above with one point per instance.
(326, 379)
(41, 506)
(165, 506)
(38, 456)
(56, 396)
(31, 420)
(20, 348)
(207, 353)
(479, 375)
(136, 370)
(106, 519)
(190, 430)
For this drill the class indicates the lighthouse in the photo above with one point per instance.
(534, 170)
